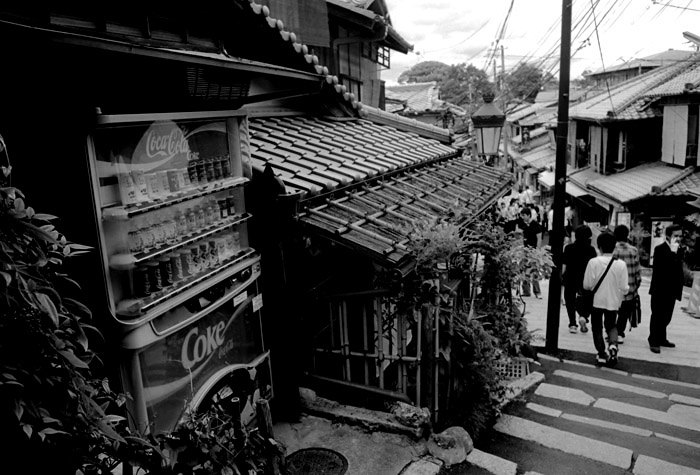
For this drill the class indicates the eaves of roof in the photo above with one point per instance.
(368, 19)
(688, 185)
(404, 123)
(637, 182)
(523, 112)
(375, 219)
(628, 100)
(540, 157)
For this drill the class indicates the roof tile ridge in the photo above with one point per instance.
(666, 73)
(303, 49)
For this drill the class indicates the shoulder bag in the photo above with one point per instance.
(584, 299)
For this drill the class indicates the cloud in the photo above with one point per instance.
(463, 31)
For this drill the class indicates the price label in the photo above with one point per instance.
(257, 303)
(240, 298)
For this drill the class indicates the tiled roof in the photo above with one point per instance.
(687, 185)
(542, 116)
(419, 97)
(582, 176)
(676, 85)
(539, 157)
(373, 219)
(626, 100)
(313, 155)
(654, 61)
(523, 112)
(636, 182)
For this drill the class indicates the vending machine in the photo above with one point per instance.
(181, 278)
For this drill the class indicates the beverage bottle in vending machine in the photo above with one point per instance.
(200, 217)
(180, 223)
(218, 169)
(192, 170)
(191, 220)
(209, 167)
(141, 186)
(225, 166)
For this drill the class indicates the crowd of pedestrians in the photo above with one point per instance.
(604, 288)
(601, 286)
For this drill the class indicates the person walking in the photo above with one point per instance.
(666, 287)
(606, 276)
(574, 262)
(532, 237)
(628, 254)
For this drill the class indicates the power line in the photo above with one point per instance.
(607, 85)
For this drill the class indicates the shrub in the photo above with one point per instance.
(57, 417)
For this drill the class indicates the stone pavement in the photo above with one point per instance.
(684, 331)
(588, 419)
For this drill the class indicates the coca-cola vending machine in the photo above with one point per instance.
(181, 278)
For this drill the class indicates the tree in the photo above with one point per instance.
(425, 71)
(525, 81)
(459, 84)
(584, 81)
(465, 85)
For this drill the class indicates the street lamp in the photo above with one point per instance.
(488, 122)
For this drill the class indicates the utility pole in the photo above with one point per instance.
(505, 122)
(556, 239)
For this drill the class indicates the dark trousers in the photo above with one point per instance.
(570, 299)
(535, 287)
(661, 313)
(623, 315)
(603, 318)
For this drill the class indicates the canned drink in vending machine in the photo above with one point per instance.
(192, 171)
(154, 276)
(176, 266)
(186, 262)
(142, 282)
(166, 271)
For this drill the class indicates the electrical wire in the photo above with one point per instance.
(602, 61)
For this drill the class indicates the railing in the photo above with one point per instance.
(362, 338)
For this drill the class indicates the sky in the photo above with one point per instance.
(465, 31)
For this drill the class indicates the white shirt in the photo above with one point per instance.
(614, 286)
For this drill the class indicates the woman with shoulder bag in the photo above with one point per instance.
(574, 262)
(606, 276)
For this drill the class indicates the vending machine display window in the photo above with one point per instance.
(169, 193)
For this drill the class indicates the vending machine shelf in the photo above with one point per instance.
(138, 310)
(129, 211)
(127, 261)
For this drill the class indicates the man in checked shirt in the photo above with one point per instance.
(630, 256)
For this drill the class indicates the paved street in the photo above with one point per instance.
(684, 330)
(643, 417)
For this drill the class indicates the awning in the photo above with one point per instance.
(575, 190)
(546, 179)
(373, 218)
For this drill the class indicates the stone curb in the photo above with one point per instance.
(360, 417)
(518, 387)
(491, 463)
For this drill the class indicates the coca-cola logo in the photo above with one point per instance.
(160, 145)
(197, 347)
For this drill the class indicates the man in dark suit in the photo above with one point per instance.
(666, 287)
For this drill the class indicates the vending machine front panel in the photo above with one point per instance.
(186, 367)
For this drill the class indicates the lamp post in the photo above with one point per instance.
(488, 122)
